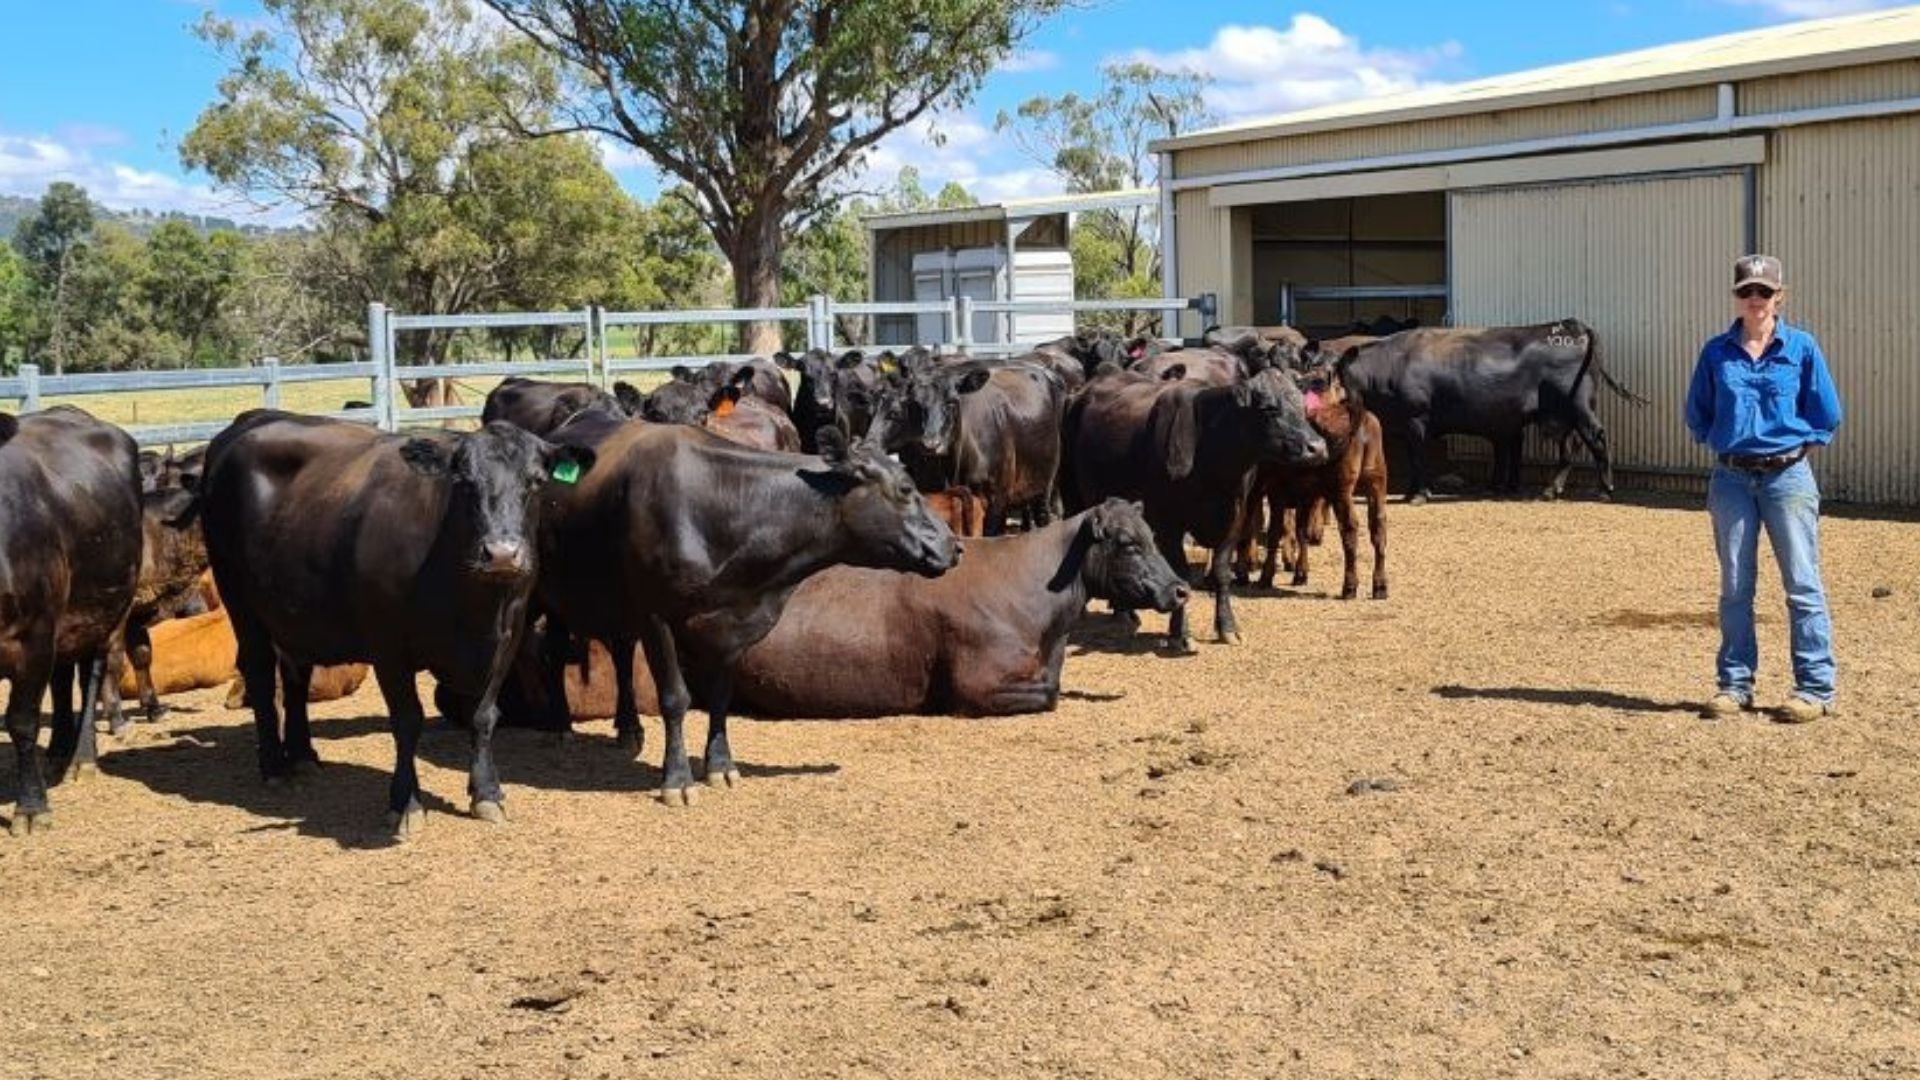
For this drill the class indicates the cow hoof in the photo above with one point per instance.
(680, 796)
(80, 770)
(1230, 637)
(1417, 500)
(26, 823)
(490, 811)
(1181, 646)
(406, 826)
(629, 742)
(1348, 594)
(1606, 496)
(304, 768)
(1379, 592)
(1549, 495)
(725, 778)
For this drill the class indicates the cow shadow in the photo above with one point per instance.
(345, 802)
(1605, 699)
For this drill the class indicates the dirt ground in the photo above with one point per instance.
(1558, 870)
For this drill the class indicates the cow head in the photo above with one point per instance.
(723, 399)
(496, 473)
(923, 410)
(816, 368)
(887, 523)
(676, 401)
(1275, 413)
(1122, 563)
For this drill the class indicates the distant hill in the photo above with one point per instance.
(16, 208)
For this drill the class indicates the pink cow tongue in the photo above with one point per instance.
(1313, 402)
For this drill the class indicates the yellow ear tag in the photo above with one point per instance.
(888, 367)
(567, 472)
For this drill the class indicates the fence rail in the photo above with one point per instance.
(389, 408)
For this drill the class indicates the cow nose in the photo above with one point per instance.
(505, 555)
(1180, 594)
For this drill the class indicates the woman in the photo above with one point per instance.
(1761, 398)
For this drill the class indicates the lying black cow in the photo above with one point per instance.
(1189, 452)
(332, 543)
(69, 559)
(1492, 383)
(680, 539)
(539, 407)
(992, 428)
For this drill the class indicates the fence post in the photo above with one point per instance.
(30, 381)
(270, 391)
(597, 347)
(377, 351)
(1210, 310)
(820, 322)
(963, 325)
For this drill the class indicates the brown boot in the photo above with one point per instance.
(1723, 706)
(1802, 710)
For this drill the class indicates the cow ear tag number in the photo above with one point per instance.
(567, 472)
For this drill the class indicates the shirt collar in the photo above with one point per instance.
(1782, 330)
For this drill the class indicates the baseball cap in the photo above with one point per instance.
(1757, 269)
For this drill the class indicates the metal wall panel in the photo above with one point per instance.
(1816, 89)
(1644, 262)
(1840, 206)
(1479, 129)
(1199, 242)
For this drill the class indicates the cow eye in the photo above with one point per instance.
(905, 490)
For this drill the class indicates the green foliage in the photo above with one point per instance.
(1100, 143)
(760, 106)
(391, 123)
(16, 303)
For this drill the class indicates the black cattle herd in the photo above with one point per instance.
(724, 543)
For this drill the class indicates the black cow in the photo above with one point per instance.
(835, 391)
(539, 406)
(173, 557)
(767, 383)
(681, 540)
(990, 427)
(1491, 383)
(333, 543)
(69, 561)
(1189, 451)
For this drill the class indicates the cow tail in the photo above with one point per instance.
(1592, 360)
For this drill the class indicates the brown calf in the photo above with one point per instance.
(963, 511)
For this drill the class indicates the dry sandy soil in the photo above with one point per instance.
(1563, 871)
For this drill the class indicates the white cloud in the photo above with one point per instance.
(1260, 70)
(618, 156)
(1815, 9)
(967, 152)
(28, 163)
(1028, 60)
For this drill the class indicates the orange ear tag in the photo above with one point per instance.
(725, 409)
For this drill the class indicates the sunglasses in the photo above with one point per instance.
(1746, 292)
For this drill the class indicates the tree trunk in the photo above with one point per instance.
(755, 257)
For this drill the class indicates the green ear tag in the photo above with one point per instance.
(567, 472)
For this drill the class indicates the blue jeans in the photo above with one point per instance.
(1787, 503)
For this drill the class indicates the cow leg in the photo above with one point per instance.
(405, 816)
(1313, 529)
(555, 646)
(1220, 570)
(1416, 435)
(996, 523)
(1168, 539)
(1303, 510)
(1276, 528)
(626, 709)
(60, 689)
(663, 660)
(296, 683)
(1349, 543)
(139, 650)
(720, 769)
(1559, 482)
(1377, 532)
(1243, 543)
(85, 758)
(486, 799)
(1595, 437)
(257, 672)
(29, 683)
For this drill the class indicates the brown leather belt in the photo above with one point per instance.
(1762, 463)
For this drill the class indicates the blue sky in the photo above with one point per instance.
(100, 91)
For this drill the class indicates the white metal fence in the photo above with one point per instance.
(389, 408)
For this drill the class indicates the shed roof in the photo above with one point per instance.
(1873, 37)
(1016, 209)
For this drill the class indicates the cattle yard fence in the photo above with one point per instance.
(389, 408)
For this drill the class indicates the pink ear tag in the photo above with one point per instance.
(1313, 401)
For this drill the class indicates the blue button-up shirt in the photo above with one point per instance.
(1773, 405)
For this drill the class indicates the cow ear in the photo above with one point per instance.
(785, 359)
(725, 397)
(9, 427)
(852, 358)
(629, 397)
(972, 380)
(1097, 523)
(683, 373)
(833, 445)
(1174, 373)
(427, 457)
(1183, 432)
